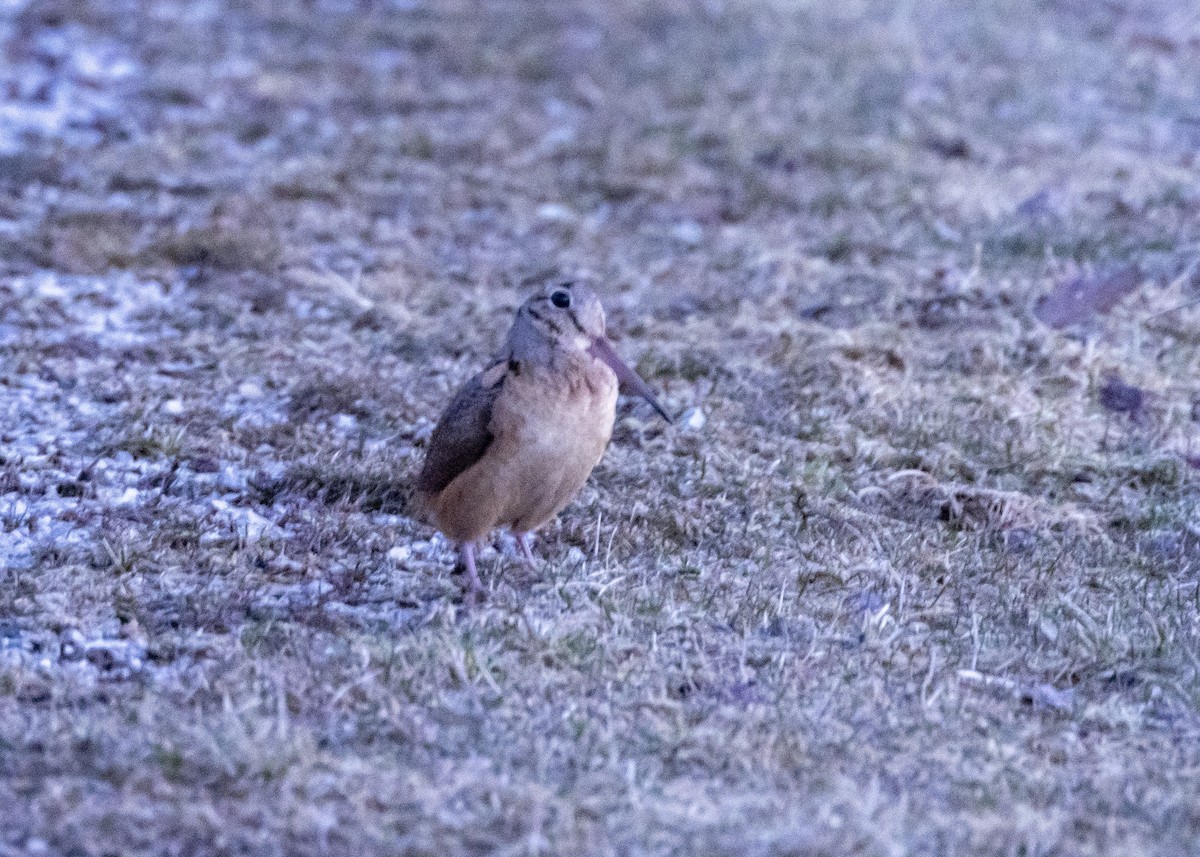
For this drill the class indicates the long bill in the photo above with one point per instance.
(631, 382)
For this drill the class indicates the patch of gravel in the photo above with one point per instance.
(59, 82)
(60, 337)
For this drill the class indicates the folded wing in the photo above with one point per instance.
(462, 435)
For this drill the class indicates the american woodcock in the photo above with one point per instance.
(517, 442)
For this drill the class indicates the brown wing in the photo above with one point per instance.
(462, 435)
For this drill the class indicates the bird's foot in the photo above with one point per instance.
(523, 539)
(474, 592)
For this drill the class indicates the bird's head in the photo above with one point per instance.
(568, 317)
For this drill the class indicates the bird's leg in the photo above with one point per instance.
(467, 551)
(526, 550)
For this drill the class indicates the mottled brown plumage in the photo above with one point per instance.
(518, 440)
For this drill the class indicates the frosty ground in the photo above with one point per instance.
(915, 575)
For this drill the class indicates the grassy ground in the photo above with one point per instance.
(902, 584)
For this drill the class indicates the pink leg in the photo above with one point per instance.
(526, 550)
(474, 587)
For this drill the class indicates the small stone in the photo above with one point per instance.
(174, 407)
(399, 554)
(232, 478)
(693, 419)
(555, 213)
(946, 232)
(72, 645)
(253, 527)
(689, 233)
(318, 588)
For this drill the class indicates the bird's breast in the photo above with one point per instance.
(568, 410)
(550, 425)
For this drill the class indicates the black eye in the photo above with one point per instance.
(560, 299)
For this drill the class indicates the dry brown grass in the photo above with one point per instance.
(909, 589)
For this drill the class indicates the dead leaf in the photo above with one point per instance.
(1123, 398)
(1076, 300)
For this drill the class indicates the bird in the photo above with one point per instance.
(518, 440)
